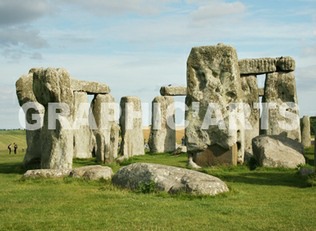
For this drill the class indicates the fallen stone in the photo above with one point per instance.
(89, 87)
(169, 179)
(93, 172)
(277, 151)
(46, 173)
(173, 91)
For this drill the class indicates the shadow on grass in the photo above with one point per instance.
(268, 178)
(12, 168)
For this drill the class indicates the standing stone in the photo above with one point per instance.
(250, 89)
(24, 91)
(213, 86)
(280, 112)
(306, 131)
(163, 133)
(106, 130)
(83, 140)
(53, 86)
(131, 127)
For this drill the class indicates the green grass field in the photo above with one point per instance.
(263, 199)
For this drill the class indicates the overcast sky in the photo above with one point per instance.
(136, 46)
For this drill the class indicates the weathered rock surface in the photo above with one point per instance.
(46, 173)
(266, 65)
(24, 91)
(251, 108)
(277, 151)
(257, 66)
(213, 82)
(306, 131)
(93, 172)
(53, 86)
(173, 91)
(131, 127)
(280, 113)
(83, 136)
(89, 87)
(169, 179)
(106, 131)
(162, 133)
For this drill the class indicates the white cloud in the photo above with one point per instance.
(217, 9)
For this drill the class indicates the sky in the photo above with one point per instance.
(137, 46)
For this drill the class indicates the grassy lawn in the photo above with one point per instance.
(263, 199)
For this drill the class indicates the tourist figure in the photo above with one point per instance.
(15, 147)
(9, 147)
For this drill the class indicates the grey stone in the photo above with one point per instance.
(46, 173)
(281, 116)
(250, 89)
(212, 77)
(89, 87)
(173, 91)
(257, 66)
(83, 140)
(162, 133)
(266, 65)
(107, 131)
(169, 179)
(306, 131)
(277, 151)
(285, 64)
(24, 91)
(131, 127)
(53, 86)
(93, 172)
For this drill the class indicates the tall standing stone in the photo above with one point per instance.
(280, 114)
(83, 136)
(306, 131)
(52, 89)
(131, 127)
(250, 90)
(106, 130)
(213, 86)
(27, 100)
(163, 131)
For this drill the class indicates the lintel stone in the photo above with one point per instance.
(173, 91)
(89, 87)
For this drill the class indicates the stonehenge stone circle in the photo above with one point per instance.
(162, 133)
(224, 112)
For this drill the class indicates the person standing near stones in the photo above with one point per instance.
(9, 147)
(15, 148)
